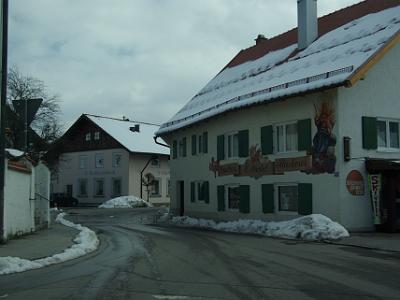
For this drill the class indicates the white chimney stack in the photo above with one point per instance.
(307, 21)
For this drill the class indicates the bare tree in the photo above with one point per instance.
(46, 122)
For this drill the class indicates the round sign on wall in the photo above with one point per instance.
(355, 183)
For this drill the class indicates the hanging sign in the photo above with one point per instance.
(375, 186)
(355, 183)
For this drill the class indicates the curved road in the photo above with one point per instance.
(141, 260)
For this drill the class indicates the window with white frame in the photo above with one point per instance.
(232, 196)
(97, 135)
(82, 187)
(232, 145)
(200, 190)
(286, 137)
(99, 160)
(288, 197)
(116, 186)
(117, 159)
(388, 134)
(99, 187)
(88, 136)
(83, 161)
(155, 188)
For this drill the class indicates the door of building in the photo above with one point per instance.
(181, 196)
(69, 190)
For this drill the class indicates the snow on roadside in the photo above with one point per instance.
(125, 202)
(85, 242)
(311, 227)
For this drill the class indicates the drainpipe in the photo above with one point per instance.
(3, 95)
(158, 143)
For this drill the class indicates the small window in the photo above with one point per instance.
(155, 162)
(99, 160)
(82, 187)
(88, 136)
(116, 187)
(182, 147)
(286, 137)
(99, 187)
(155, 188)
(83, 162)
(97, 135)
(288, 198)
(117, 159)
(388, 134)
(232, 145)
(232, 196)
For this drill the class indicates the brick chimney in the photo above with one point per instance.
(307, 21)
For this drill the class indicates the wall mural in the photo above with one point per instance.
(321, 160)
(324, 141)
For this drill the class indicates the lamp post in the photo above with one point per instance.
(3, 95)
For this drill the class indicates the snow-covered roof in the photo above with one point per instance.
(14, 152)
(140, 142)
(329, 61)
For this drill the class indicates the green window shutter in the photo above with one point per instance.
(220, 147)
(174, 149)
(205, 142)
(206, 192)
(244, 202)
(184, 147)
(268, 200)
(267, 140)
(192, 192)
(305, 198)
(304, 135)
(243, 136)
(221, 197)
(369, 133)
(194, 144)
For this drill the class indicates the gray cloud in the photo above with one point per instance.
(140, 58)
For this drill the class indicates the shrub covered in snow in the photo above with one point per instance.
(125, 202)
(312, 227)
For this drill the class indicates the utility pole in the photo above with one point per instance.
(3, 95)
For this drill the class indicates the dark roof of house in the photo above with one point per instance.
(350, 42)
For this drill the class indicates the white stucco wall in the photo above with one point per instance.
(377, 95)
(160, 172)
(192, 168)
(69, 173)
(18, 208)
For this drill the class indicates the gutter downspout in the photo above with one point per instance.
(158, 143)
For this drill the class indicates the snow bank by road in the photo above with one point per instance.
(312, 227)
(85, 242)
(125, 202)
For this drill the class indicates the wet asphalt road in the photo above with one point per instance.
(141, 260)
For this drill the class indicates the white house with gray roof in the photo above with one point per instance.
(286, 130)
(101, 158)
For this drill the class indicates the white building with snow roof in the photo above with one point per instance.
(100, 158)
(285, 130)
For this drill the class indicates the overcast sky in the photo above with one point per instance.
(143, 59)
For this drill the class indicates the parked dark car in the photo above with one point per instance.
(63, 200)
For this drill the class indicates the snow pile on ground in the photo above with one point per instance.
(312, 227)
(85, 242)
(125, 202)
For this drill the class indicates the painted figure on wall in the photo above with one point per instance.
(324, 141)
